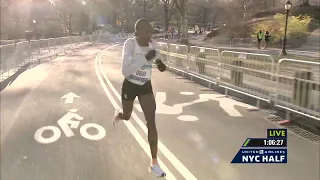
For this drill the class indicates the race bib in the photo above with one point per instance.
(143, 72)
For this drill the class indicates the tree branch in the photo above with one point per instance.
(171, 4)
(178, 6)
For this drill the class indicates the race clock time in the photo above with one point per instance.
(275, 142)
(265, 142)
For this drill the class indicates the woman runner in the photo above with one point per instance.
(138, 55)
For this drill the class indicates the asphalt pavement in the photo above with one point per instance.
(75, 97)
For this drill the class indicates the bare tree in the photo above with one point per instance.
(182, 6)
(71, 11)
(126, 12)
(168, 7)
(65, 10)
(203, 11)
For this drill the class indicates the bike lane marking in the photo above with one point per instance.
(66, 123)
(227, 104)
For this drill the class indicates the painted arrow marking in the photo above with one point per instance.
(69, 97)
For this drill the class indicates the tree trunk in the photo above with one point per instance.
(144, 9)
(114, 19)
(179, 29)
(70, 24)
(214, 19)
(169, 16)
(166, 19)
(91, 23)
(184, 22)
(203, 20)
(16, 32)
(184, 27)
(265, 5)
(305, 3)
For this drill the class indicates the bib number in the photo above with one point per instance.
(141, 73)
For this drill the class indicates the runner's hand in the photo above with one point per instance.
(161, 66)
(151, 54)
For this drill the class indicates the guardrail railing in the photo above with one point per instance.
(205, 62)
(293, 85)
(298, 86)
(16, 55)
(249, 73)
(6, 42)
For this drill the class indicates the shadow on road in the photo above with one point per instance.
(12, 78)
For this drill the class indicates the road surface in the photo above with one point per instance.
(198, 138)
(313, 40)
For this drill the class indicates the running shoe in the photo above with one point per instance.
(156, 169)
(116, 118)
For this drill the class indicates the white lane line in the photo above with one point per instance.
(129, 125)
(187, 93)
(170, 156)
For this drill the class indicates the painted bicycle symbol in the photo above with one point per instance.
(227, 104)
(66, 123)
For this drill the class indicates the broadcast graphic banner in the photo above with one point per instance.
(272, 149)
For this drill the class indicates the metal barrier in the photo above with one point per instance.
(164, 50)
(122, 35)
(58, 46)
(6, 42)
(22, 53)
(35, 49)
(249, 73)
(7, 54)
(178, 56)
(15, 55)
(293, 85)
(298, 87)
(44, 48)
(205, 62)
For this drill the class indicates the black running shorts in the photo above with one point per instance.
(130, 90)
